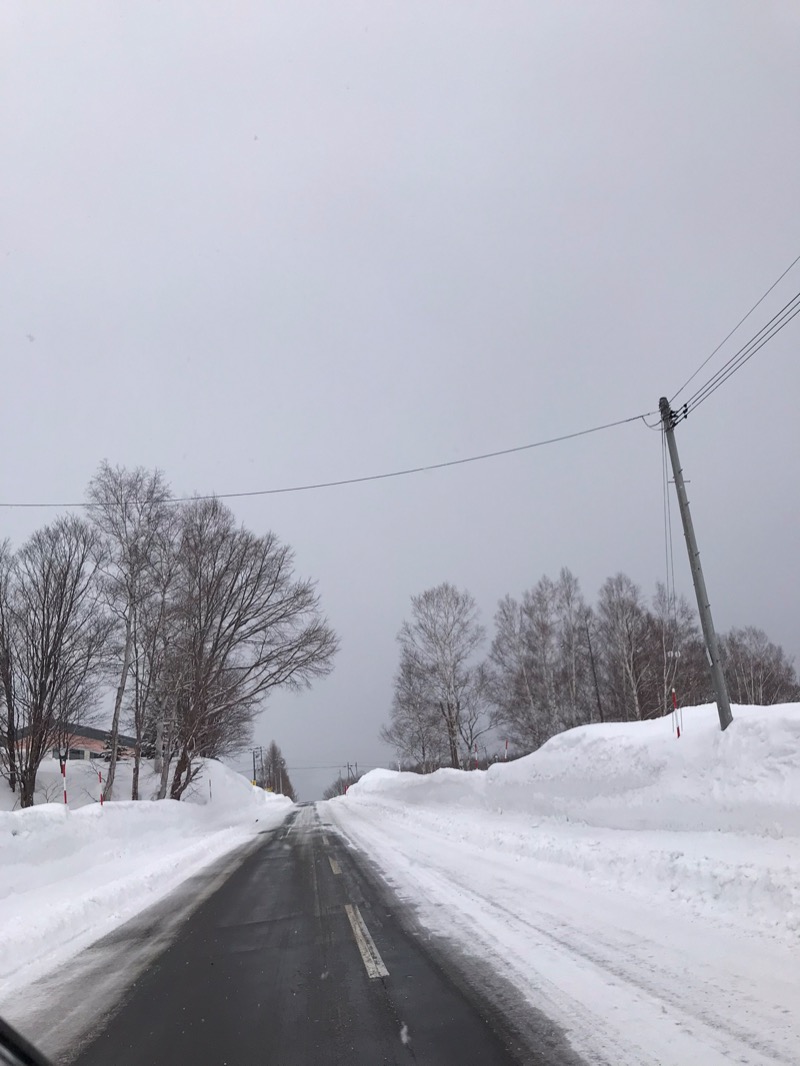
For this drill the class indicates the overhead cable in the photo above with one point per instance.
(370, 477)
(739, 323)
(744, 354)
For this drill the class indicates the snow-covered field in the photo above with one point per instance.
(70, 875)
(641, 890)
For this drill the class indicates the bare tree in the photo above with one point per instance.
(677, 654)
(575, 689)
(340, 786)
(510, 678)
(477, 715)
(539, 674)
(623, 626)
(129, 509)
(151, 633)
(756, 670)
(53, 633)
(415, 727)
(245, 625)
(274, 775)
(7, 675)
(439, 642)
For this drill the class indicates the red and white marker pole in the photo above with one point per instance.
(64, 777)
(100, 782)
(506, 759)
(675, 721)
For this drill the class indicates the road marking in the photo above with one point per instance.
(334, 865)
(324, 840)
(373, 963)
(316, 889)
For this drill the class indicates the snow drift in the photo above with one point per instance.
(641, 890)
(68, 875)
(711, 818)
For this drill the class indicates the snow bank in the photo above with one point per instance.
(640, 890)
(70, 875)
(711, 819)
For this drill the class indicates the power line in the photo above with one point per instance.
(332, 766)
(744, 354)
(371, 477)
(337, 766)
(739, 323)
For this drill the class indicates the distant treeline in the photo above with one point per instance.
(555, 662)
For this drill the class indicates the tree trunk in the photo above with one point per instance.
(11, 753)
(452, 735)
(181, 767)
(137, 759)
(166, 760)
(637, 706)
(157, 761)
(108, 791)
(162, 790)
(27, 787)
(11, 725)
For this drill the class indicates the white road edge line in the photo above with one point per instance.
(373, 963)
(334, 865)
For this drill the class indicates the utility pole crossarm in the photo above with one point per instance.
(668, 420)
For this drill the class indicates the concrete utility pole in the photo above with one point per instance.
(706, 621)
(260, 753)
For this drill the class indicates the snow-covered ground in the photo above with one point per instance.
(70, 875)
(641, 890)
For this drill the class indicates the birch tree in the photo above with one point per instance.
(539, 671)
(623, 627)
(510, 678)
(128, 509)
(415, 725)
(244, 625)
(152, 620)
(574, 660)
(439, 642)
(756, 670)
(677, 652)
(53, 634)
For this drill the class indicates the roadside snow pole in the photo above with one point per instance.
(476, 756)
(100, 783)
(506, 758)
(63, 761)
(677, 715)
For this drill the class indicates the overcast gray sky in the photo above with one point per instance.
(259, 244)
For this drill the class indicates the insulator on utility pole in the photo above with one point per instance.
(706, 621)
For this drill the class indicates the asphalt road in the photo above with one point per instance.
(299, 959)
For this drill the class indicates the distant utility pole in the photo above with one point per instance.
(706, 621)
(260, 753)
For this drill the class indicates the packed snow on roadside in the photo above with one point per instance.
(640, 889)
(69, 875)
